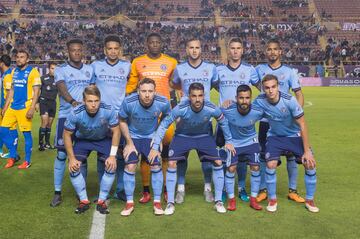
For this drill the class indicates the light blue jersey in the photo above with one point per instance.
(143, 121)
(75, 79)
(242, 127)
(282, 115)
(230, 78)
(111, 81)
(205, 73)
(192, 124)
(92, 127)
(287, 77)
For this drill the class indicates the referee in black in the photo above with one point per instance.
(47, 103)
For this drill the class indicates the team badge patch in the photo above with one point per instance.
(283, 109)
(163, 67)
(121, 71)
(87, 74)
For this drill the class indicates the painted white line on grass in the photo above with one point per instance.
(308, 104)
(97, 226)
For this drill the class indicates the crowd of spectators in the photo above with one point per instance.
(342, 50)
(46, 41)
(290, 3)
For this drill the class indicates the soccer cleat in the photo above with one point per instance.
(41, 147)
(49, 146)
(170, 209)
(146, 197)
(310, 205)
(293, 195)
(129, 208)
(158, 211)
(254, 204)
(243, 195)
(180, 196)
(84, 205)
(10, 163)
(56, 201)
(231, 204)
(120, 195)
(5, 155)
(24, 165)
(262, 195)
(272, 205)
(209, 197)
(219, 207)
(102, 207)
(18, 158)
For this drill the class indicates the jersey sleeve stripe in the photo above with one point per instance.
(299, 116)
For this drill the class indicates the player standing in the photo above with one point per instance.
(194, 70)
(192, 132)
(288, 79)
(19, 107)
(160, 68)
(235, 73)
(5, 69)
(139, 119)
(71, 78)
(110, 76)
(92, 122)
(288, 133)
(47, 105)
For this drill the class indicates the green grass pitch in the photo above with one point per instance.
(333, 122)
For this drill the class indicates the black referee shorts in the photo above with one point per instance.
(48, 107)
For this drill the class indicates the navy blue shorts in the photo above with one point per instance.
(83, 148)
(58, 140)
(205, 146)
(263, 129)
(143, 148)
(278, 146)
(249, 154)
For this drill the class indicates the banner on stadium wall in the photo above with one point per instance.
(278, 26)
(351, 69)
(329, 81)
(351, 26)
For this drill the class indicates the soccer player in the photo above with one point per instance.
(235, 73)
(242, 117)
(92, 122)
(47, 105)
(71, 78)
(288, 79)
(5, 69)
(191, 71)
(160, 68)
(19, 107)
(139, 119)
(288, 133)
(110, 76)
(193, 132)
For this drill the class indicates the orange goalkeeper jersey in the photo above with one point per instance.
(160, 70)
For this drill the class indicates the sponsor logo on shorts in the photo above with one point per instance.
(171, 153)
(267, 155)
(60, 142)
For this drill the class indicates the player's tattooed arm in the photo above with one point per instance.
(300, 97)
(65, 93)
(308, 157)
(36, 94)
(9, 97)
(74, 164)
(130, 147)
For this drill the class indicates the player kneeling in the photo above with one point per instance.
(91, 123)
(242, 117)
(139, 116)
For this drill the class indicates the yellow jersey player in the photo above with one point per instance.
(159, 67)
(19, 107)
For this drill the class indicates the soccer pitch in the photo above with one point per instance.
(332, 115)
